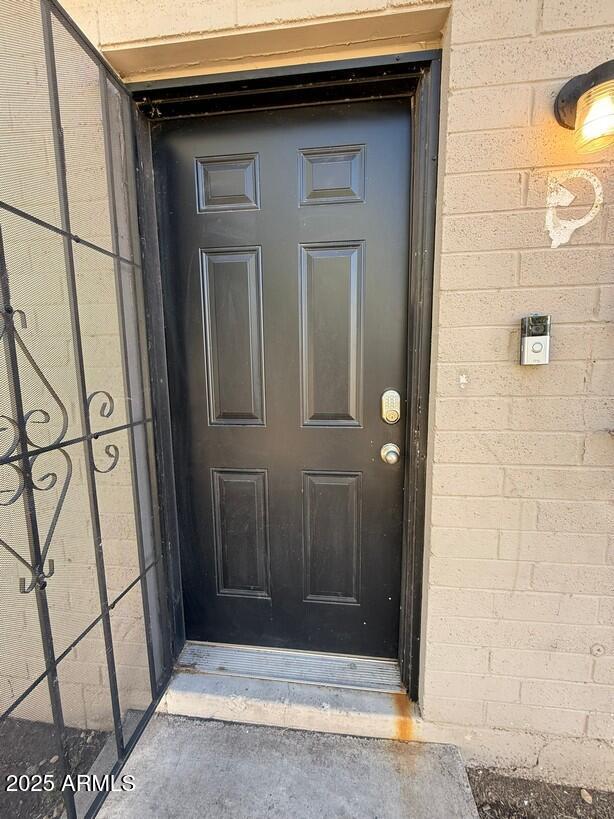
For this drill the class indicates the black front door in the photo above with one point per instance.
(285, 251)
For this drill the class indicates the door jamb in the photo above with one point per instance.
(425, 103)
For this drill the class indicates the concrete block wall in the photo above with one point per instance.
(520, 578)
(518, 640)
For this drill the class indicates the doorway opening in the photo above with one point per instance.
(296, 219)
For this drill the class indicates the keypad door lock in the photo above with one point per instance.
(391, 407)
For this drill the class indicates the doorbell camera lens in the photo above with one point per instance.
(535, 326)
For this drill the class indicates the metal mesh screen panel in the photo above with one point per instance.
(79, 94)
(100, 335)
(129, 631)
(36, 285)
(83, 620)
(84, 684)
(27, 163)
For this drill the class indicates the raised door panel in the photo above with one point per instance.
(332, 175)
(226, 183)
(332, 281)
(240, 508)
(232, 308)
(331, 536)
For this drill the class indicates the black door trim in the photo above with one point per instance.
(416, 76)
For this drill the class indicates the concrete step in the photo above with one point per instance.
(336, 710)
(196, 768)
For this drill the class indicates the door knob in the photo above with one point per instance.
(390, 454)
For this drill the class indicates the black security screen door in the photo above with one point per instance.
(285, 249)
(85, 631)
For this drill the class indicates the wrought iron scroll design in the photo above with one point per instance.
(107, 407)
(44, 483)
(24, 467)
(37, 416)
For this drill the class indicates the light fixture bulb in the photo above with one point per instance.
(595, 118)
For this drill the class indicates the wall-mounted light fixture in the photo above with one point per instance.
(586, 104)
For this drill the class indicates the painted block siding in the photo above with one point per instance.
(518, 642)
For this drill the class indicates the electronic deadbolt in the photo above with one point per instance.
(391, 406)
(535, 340)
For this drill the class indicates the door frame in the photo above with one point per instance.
(290, 86)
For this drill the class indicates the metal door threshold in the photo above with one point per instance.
(284, 665)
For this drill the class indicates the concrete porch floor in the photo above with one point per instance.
(188, 768)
